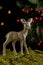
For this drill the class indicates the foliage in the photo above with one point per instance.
(42, 14)
(39, 4)
(35, 57)
(34, 1)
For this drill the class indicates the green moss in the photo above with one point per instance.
(35, 57)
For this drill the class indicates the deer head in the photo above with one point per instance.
(27, 24)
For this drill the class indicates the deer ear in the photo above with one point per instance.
(30, 20)
(23, 20)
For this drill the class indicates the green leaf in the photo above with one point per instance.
(34, 1)
(26, 7)
(42, 14)
(18, 4)
(39, 7)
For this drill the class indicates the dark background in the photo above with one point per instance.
(10, 21)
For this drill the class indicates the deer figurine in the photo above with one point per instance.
(15, 36)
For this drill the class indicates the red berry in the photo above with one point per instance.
(33, 21)
(23, 10)
(36, 18)
(42, 11)
(38, 44)
(40, 18)
(27, 11)
(40, 41)
(39, 11)
(41, 31)
(17, 20)
(31, 9)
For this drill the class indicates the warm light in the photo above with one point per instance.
(2, 23)
(9, 11)
(0, 7)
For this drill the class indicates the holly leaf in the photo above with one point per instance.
(39, 7)
(34, 1)
(27, 7)
(42, 14)
(19, 4)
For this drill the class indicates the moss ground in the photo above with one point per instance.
(35, 57)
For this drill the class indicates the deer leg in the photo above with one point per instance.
(4, 47)
(21, 44)
(14, 49)
(25, 45)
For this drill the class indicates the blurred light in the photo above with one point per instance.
(9, 11)
(0, 7)
(2, 23)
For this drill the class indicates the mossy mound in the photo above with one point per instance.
(34, 57)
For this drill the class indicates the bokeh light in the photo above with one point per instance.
(0, 7)
(9, 11)
(2, 23)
